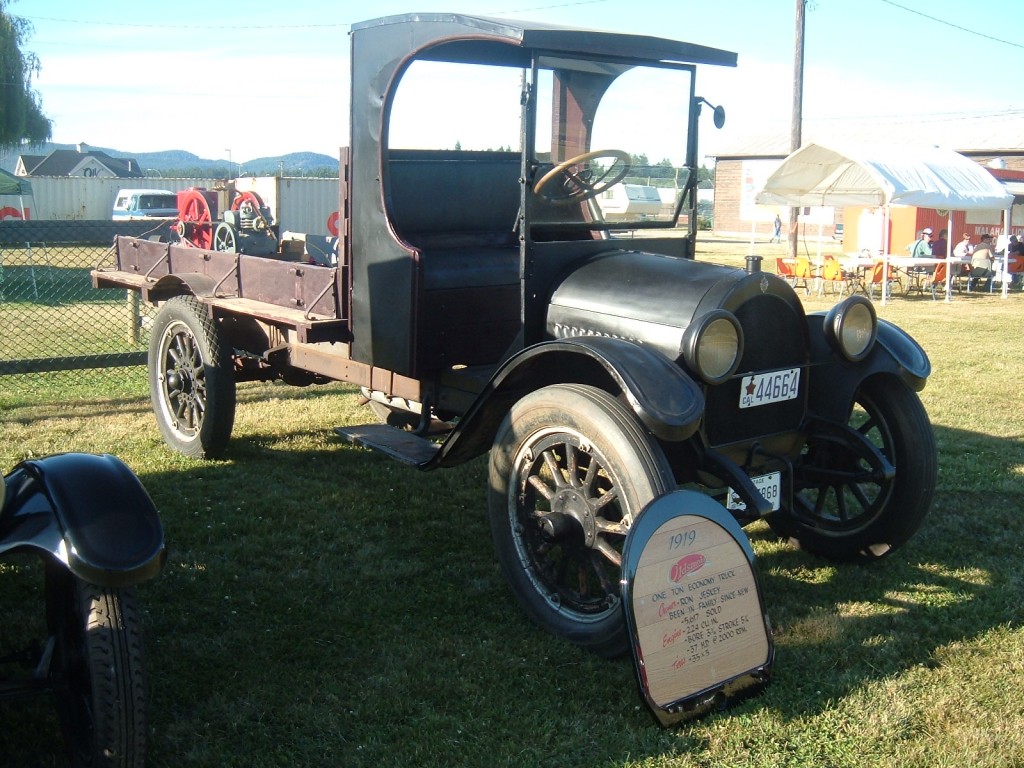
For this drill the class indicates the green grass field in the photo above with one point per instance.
(325, 606)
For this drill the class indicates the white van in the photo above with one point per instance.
(132, 204)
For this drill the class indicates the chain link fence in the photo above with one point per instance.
(51, 318)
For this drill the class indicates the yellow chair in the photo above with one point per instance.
(802, 272)
(832, 273)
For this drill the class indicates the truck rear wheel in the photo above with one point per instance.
(843, 509)
(191, 383)
(571, 468)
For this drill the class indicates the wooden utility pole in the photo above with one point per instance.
(795, 138)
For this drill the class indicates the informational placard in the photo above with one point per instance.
(694, 607)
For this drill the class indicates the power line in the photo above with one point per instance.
(951, 24)
(164, 25)
(335, 25)
(545, 7)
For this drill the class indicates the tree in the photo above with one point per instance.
(21, 114)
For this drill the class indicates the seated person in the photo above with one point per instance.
(1015, 250)
(922, 249)
(981, 262)
(962, 252)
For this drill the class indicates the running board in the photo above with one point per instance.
(399, 444)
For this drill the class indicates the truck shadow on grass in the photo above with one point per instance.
(331, 607)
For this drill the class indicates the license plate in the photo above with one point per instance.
(770, 486)
(774, 387)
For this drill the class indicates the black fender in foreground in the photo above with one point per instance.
(834, 380)
(88, 511)
(665, 399)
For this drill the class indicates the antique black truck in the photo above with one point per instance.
(483, 302)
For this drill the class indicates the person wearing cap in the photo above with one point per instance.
(922, 249)
(981, 263)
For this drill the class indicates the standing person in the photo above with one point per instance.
(777, 237)
(981, 262)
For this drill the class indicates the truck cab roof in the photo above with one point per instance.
(466, 32)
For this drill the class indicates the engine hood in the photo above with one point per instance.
(652, 299)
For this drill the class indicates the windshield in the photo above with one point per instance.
(157, 202)
(609, 142)
(605, 142)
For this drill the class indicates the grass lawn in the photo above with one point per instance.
(325, 606)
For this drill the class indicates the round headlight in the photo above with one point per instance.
(851, 328)
(713, 345)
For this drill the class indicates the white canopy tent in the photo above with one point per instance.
(883, 176)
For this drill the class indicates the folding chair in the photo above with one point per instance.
(803, 272)
(890, 279)
(785, 270)
(917, 278)
(833, 274)
(938, 281)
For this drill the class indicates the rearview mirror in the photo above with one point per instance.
(719, 117)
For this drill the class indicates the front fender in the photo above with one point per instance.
(665, 399)
(90, 512)
(834, 380)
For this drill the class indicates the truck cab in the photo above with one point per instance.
(476, 178)
(135, 204)
(484, 303)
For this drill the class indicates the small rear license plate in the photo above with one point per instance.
(774, 387)
(769, 485)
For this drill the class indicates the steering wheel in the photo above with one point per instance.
(578, 185)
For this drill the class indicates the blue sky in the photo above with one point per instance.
(267, 77)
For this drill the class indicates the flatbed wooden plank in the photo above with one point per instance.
(265, 311)
(103, 278)
(313, 328)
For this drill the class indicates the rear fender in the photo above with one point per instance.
(89, 512)
(834, 380)
(194, 283)
(667, 401)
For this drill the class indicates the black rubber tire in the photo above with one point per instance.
(558, 546)
(191, 381)
(98, 671)
(863, 517)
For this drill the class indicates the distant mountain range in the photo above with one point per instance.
(305, 163)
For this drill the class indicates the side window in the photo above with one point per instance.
(440, 105)
(453, 153)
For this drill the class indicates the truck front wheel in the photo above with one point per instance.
(98, 671)
(571, 468)
(191, 383)
(844, 509)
